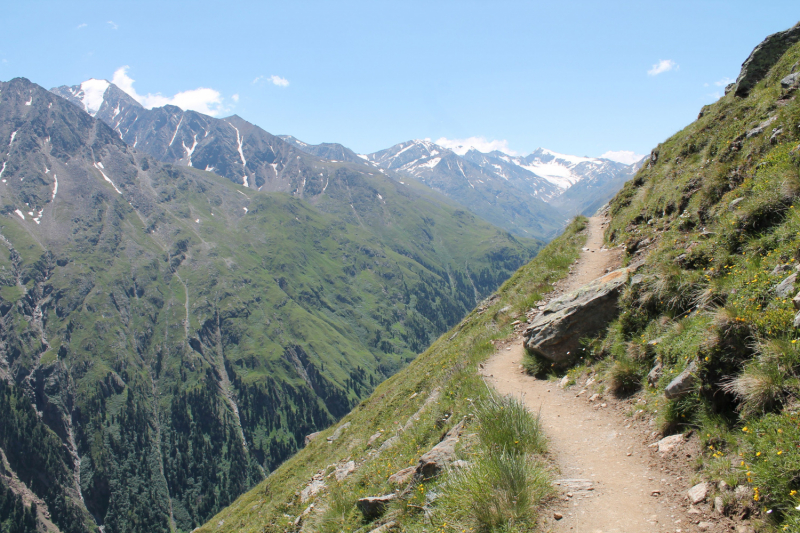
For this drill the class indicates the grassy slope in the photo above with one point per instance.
(708, 292)
(449, 364)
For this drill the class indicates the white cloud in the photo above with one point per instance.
(257, 79)
(481, 144)
(235, 97)
(626, 157)
(113, 25)
(723, 82)
(665, 65)
(280, 82)
(202, 99)
(81, 26)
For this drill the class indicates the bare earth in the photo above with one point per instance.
(611, 481)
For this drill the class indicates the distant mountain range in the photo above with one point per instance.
(529, 196)
(532, 195)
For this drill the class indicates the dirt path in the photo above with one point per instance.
(608, 473)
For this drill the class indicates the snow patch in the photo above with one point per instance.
(362, 156)
(14, 134)
(245, 210)
(55, 187)
(22, 216)
(3, 170)
(430, 163)
(29, 102)
(176, 131)
(190, 151)
(99, 166)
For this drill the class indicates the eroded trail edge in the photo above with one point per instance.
(608, 482)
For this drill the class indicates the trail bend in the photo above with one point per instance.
(608, 475)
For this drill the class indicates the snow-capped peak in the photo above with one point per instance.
(555, 167)
(91, 94)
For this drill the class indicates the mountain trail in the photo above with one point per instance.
(611, 481)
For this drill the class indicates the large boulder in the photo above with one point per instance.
(763, 57)
(555, 334)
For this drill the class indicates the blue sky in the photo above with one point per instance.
(578, 77)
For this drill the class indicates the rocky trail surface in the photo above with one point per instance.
(612, 480)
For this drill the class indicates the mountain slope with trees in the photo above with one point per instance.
(179, 334)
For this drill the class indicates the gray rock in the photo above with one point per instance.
(797, 320)
(374, 506)
(655, 374)
(403, 476)
(763, 57)
(758, 130)
(780, 269)
(668, 444)
(388, 443)
(698, 493)
(314, 486)
(682, 384)
(385, 527)
(345, 470)
(435, 460)
(786, 287)
(556, 333)
(311, 437)
(791, 80)
(705, 526)
(734, 203)
(338, 432)
(719, 505)
(374, 437)
(796, 301)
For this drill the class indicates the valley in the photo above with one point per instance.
(205, 326)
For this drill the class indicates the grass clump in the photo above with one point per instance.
(499, 493)
(507, 425)
(507, 479)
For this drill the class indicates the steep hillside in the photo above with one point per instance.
(179, 333)
(708, 329)
(706, 338)
(316, 490)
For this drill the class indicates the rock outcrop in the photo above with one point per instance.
(682, 384)
(434, 461)
(555, 334)
(374, 506)
(763, 57)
